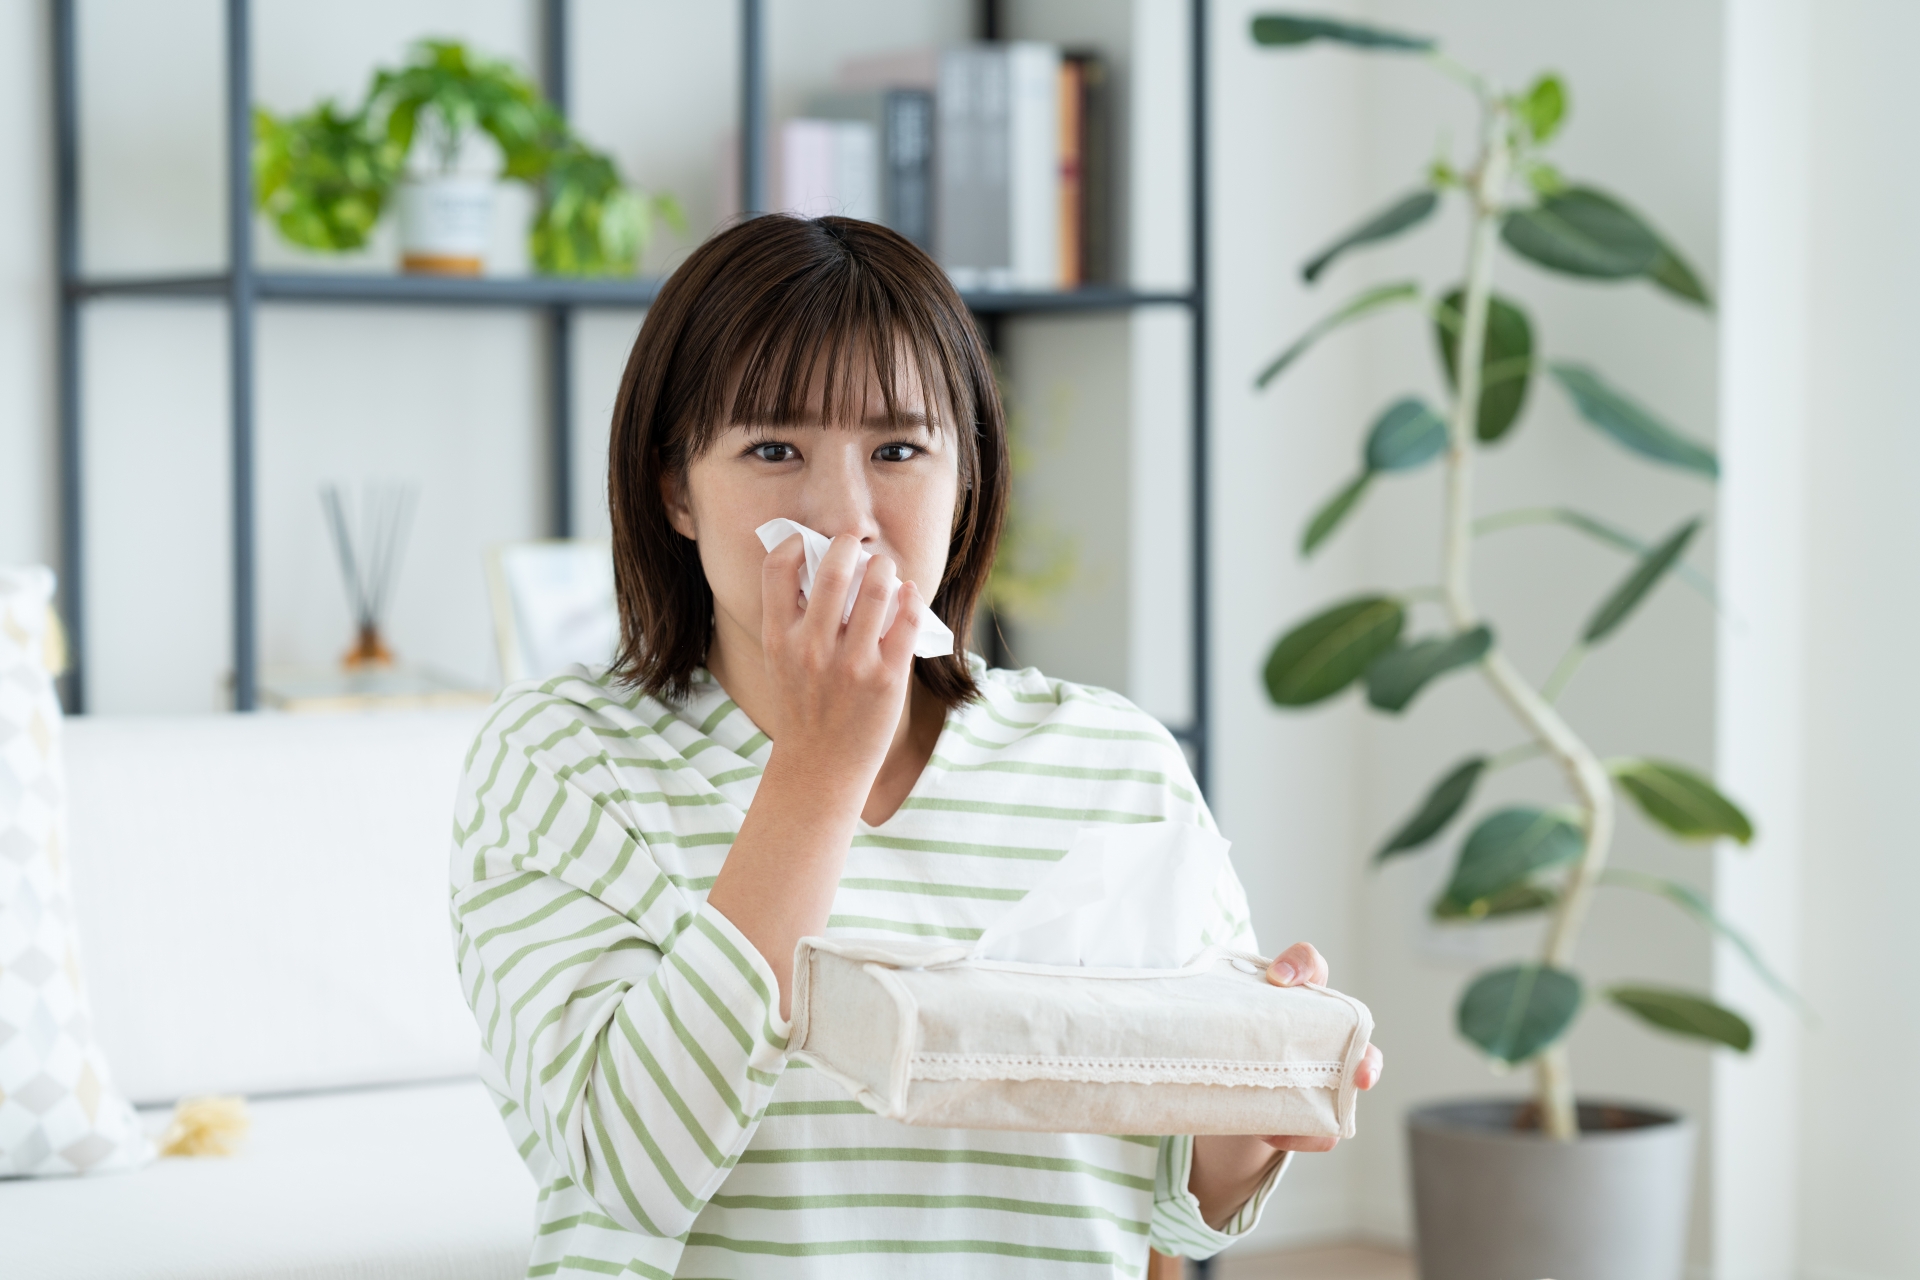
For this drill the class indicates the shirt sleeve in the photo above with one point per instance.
(1177, 1227)
(635, 1027)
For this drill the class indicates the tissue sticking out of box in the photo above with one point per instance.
(1123, 897)
(935, 639)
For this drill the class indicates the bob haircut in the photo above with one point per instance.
(765, 310)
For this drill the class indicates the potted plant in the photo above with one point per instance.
(1506, 1190)
(326, 176)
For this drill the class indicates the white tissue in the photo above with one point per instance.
(935, 639)
(1133, 897)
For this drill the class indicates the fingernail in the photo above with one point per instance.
(1283, 973)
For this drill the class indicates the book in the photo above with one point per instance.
(997, 161)
(1073, 137)
(828, 167)
(902, 123)
(1096, 170)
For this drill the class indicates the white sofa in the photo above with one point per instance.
(261, 903)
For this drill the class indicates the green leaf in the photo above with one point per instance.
(1597, 529)
(1543, 178)
(1506, 362)
(1408, 211)
(1282, 29)
(1445, 799)
(1328, 518)
(1518, 900)
(1377, 299)
(1543, 107)
(1690, 900)
(1681, 800)
(1515, 1012)
(1646, 575)
(1401, 672)
(1582, 232)
(1509, 848)
(1671, 272)
(1685, 1014)
(1631, 425)
(1407, 435)
(1327, 652)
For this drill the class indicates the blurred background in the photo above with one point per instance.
(458, 410)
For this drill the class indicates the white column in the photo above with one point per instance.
(1753, 1139)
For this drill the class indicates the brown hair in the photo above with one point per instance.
(739, 334)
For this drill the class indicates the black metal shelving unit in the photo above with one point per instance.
(243, 287)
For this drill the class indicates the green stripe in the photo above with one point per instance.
(830, 1248)
(669, 1094)
(871, 840)
(1035, 769)
(699, 1055)
(937, 805)
(913, 927)
(924, 889)
(941, 1155)
(1000, 1204)
(601, 925)
(816, 1108)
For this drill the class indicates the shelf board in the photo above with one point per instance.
(547, 291)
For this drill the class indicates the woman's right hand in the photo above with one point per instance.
(839, 690)
(837, 697)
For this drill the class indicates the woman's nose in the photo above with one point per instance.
(839, 502)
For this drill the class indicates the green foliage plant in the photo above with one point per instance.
(1547, 861)
(324, 176)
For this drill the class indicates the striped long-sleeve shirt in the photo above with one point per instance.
(632, 1036)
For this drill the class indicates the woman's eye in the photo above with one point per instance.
(895, 452)
(773, 451)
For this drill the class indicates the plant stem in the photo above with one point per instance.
(1585, 775)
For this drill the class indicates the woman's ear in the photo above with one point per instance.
(674, 496)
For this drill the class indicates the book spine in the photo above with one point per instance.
(856, 155)
(1096, 172)
(908, 166)
(1072, 91)
(974, 224)
(1032, 146)
(806, 178)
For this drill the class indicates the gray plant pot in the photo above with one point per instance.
(1493, 1202)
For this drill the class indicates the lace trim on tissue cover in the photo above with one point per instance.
(1210, 1071)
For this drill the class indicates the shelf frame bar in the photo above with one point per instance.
(560, 440)
(240, 347)
(66, 234)
(753, 107)
(1202, 403)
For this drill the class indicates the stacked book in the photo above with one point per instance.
(994, 157)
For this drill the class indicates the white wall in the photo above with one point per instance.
(1860, 1118)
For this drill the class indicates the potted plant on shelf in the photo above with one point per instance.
(326, 176)
(1550, 1187)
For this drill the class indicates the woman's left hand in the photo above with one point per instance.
(1227, 1170)
(1297, 965)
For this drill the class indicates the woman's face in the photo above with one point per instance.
(892, 485)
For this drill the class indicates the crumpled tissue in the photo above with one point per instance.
(935, 639)
(1132, 897)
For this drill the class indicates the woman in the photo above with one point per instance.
(638, 850)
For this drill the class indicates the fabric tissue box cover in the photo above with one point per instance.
(932, 1034)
